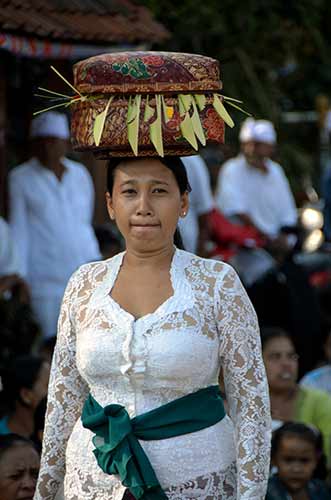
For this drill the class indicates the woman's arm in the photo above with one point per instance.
(66, 395)
(245, 385)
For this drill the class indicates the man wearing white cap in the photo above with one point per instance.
(255, 189)
(51, 209)
(234, 164)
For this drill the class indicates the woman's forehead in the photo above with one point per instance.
(279, 344)
(143, 170)
(19, 455)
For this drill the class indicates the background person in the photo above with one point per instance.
(24, 385)
(10, 280)
(295, 454)
(320, 378)
(51, 209)
(290, 401)
(255, 190)
(19, 467)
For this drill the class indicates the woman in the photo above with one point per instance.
(19, 466)
(24, 384)
(290, 401)
(149, 326)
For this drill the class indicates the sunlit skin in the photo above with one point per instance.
(281, 362)
(146, 204)
(19, 467)
(247, 149)
(262, 151)
(296, 460)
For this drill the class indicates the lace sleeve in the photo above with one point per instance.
(66, 394)
(245, 385)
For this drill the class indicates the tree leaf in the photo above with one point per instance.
(196, 123)
(187, 130)
(227, 98)
(99, 123)
(149, 110)
(200, 99)
(155, 129)
(133, 125)
(218, 105)
(239, 108)
(65, 80)
(186, 100)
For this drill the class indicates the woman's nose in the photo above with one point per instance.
(144, 205)
(28, 483)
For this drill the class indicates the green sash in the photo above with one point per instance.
(118, 450)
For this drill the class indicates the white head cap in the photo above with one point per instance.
(50, 124)
(264, 131)
(246, 130)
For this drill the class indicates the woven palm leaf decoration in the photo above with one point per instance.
(145, 104)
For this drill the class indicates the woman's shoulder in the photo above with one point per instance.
(91, 275)
(208, 275)
(210, 266)
(314, 395)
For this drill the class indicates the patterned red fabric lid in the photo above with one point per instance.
(147, 72)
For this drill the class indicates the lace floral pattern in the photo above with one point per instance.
(206, 324)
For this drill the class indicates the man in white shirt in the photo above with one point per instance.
(257, 191)
(194, 227)
(51, 209)
(9, 263)
(10, 279)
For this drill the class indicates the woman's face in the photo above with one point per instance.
(296, 461)
(146, 204)
(281, 362)
(19, 467)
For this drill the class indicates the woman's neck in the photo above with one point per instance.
(21, 421)
(284, 394)
(160, 258)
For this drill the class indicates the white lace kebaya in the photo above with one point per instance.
(144, 363)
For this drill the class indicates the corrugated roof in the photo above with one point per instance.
(115, 21)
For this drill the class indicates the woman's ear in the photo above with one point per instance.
(27, 396)
(185, 204)
(110, 208)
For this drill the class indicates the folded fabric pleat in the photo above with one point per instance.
(118, 450)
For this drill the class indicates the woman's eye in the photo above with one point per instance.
(159, 190)
(15, 477)
(129, 191)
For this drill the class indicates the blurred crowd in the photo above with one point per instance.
(242, 211)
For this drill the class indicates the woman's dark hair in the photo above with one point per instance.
(39, 422)
(173, 163)
(8, 441)
(21, 372)
(272, 332)
(308, 434)
(296, 429)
